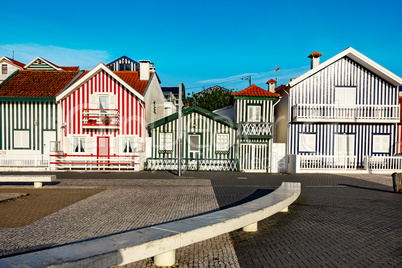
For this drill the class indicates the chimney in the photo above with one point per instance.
(145, 66)
(315, 59)
(271, 85)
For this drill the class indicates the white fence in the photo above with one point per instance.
(383, 163)
(314, 112)
(24, 160)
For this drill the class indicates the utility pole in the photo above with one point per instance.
(179, 130)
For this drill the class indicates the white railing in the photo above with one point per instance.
(326, 162)
(256, 129)
(155, 164)
(101, 118)
(94, 162)
(314, 112)
(383, 162)
(24, 160)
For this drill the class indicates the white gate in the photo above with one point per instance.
(254, 157)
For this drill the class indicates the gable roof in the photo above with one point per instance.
(123, 57)
(360, 59)
(52, 65)
(36, 84)
(19, 64)
(255, 91)
(195, 109)
(102, 67)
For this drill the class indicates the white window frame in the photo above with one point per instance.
(344, 97)
(257, 113)
(222, 147)
(21, 139)
(381, 143)
(189, 143)
(163, 137)
(4, 70)
(348, 140)
(83, 144)
(307, 142)
(125, 142)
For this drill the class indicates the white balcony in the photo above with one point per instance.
(338, 113)
(256, 129)
(101, 118)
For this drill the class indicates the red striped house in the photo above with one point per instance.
(102, 116)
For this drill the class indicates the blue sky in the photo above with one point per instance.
(204, 42)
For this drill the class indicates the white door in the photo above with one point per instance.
(344, 149)
(49, 140)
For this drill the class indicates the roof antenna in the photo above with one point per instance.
(277, 70)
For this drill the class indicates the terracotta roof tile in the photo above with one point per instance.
(255, 91)
(70, 68)
(271, 81)
(315, 54)
(16, 62)
(133, 80)
(36, 84)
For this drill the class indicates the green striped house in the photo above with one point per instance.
(29, 125)
(235, 138)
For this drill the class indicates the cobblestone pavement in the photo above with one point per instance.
(340, 220)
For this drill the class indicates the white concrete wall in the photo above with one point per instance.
(154, 93)
(10, 69)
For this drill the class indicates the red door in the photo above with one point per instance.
(103, 146)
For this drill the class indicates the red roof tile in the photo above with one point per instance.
(133, 80)
(36, 84)
(16, 62)
(271, 81)
(280, 88)
(254, 91)
(315, 54)
(70, 68)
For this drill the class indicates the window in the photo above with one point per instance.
(21, 139)
(128, 145)
(166, 142)
(222, 142)
(4, 69)
(381, 143)
(307, 142)
(254, 113)
(154, 103)
(344, 144)
(103, 102)
(124, 67)
(78, 144)
(195, 144)
(345, 96)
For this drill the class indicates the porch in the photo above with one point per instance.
(339, 113)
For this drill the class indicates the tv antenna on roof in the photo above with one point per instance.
(277, 70)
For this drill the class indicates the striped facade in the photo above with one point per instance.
(197, 124)
(399, 140)
(35, 117)
(40, 65)
(124, 62)
(131, 114)
(267, 112)
(319, 89)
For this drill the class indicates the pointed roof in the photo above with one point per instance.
(19, 64)
(52, 65)
(255, 91)
(123, 57)
(360, 59)
(36, 84)
(129, 81)
(197, 109)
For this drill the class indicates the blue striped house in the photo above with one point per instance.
(124, 63)
(339, 114)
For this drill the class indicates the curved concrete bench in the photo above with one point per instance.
(162, 240)
(36, 179)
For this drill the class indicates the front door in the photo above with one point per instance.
(194, 151)
(49, 139)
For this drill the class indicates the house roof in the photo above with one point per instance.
(36, 84)
(54, 66)
(133, 79)
(360, 59)
(70, 68)
(255, 91)
(280, 88)
(20, 64)
(130, 80)
(197, 109)
(173, 90)
(123, 57)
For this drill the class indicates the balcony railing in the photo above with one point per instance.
(255, 129)
(338, 113)
(101, 118)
